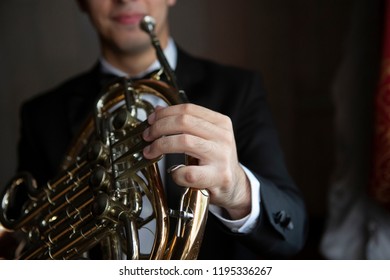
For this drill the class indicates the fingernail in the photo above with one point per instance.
(147, 149)
(145, 134)
(174, 168)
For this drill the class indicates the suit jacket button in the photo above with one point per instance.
(288, 224)
(279, 217)
(284, 220)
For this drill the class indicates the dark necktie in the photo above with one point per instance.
(106, 78)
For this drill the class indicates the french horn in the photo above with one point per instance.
(108, 198)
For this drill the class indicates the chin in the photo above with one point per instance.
(136, 43)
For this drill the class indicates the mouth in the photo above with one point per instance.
(128, 18)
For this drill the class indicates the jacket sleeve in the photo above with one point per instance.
(282, 226)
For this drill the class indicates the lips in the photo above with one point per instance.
(128, 19)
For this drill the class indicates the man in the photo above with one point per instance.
(256, 210)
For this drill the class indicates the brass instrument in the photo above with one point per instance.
(109, 196)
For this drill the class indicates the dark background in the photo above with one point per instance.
(296, 45)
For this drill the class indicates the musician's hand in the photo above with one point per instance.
(207, 136)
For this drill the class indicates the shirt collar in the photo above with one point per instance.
(170, 53)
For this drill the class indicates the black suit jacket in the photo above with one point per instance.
(51, 120)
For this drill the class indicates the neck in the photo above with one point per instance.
(132, 64)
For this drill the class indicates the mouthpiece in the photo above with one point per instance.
(147, 24)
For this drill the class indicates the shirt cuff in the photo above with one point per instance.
(246, 224)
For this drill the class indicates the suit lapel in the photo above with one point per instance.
(83, 98)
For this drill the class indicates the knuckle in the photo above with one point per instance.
(186, 141)
(227, 122)
(190, 177)
(193, 177)
(183, 120)
(186, 108)
(225, 177)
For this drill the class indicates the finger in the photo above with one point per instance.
(192, 176)
(186, 124)
(202, 178)
(181, 143)
(190, 109)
